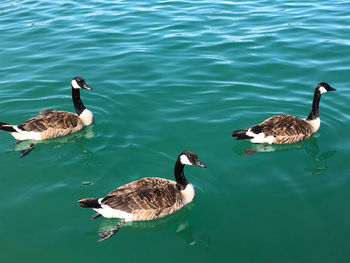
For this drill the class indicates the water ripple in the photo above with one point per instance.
(173, 75)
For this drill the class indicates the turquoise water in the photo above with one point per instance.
(169, 76)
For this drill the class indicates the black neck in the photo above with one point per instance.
(78, 104)
(179, 175)
(315, 104)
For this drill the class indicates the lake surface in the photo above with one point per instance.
(169, 76)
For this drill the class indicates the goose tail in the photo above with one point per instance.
(241, 135)
(7, 127)
(89, 203)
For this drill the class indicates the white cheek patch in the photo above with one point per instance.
(322, 90)
(184, 160)
(75, 84)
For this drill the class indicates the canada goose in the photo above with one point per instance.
(51, 123)
(283, 129)
(146, 199)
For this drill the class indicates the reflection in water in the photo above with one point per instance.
(25, 147)
(310, 146)
(317, 170)
(314, 151)
(276, 147)
(184, 229)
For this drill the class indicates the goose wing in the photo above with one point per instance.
(51, 119)
(52, 123)
(146, 194)
(287, 125)
(285, 128)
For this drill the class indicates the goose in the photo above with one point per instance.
(148, 198)
(51, 123)
(285, 129)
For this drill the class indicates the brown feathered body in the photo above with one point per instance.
(279, 129)
(145, 199)
(52, 124)
(286, 129)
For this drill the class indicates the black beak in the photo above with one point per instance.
(200, 164)
(331, 89)
(86, 87)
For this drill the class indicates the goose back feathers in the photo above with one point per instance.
(284, 129)
(51, 124)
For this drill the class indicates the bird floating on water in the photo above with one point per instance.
(146, 199)
(52, 123)
(284, 129)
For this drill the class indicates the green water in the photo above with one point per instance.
(169, 76)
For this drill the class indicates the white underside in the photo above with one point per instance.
(315, 124)
(260, 137)
(87, 117)
(188, 194)
(25, 135)
(108, 212)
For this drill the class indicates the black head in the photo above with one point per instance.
(190, 158)
(324, 87)
(79, 83)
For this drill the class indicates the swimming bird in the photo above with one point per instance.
(284, 129)
(146, 199)
(51, 123)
